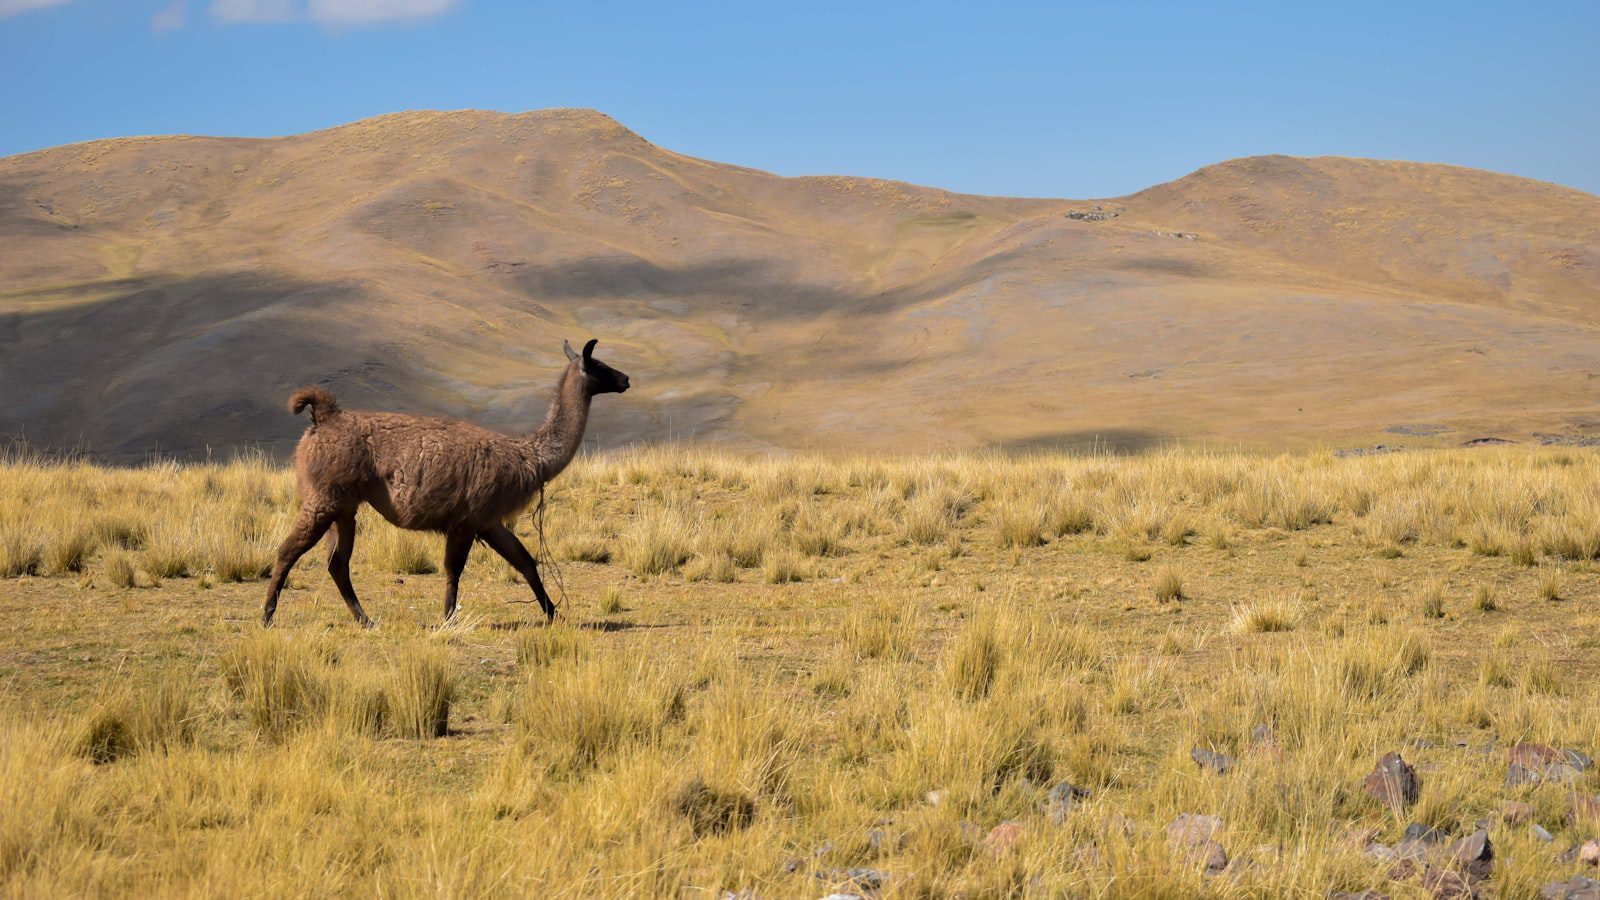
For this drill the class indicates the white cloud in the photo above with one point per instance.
(10, 8)
(327, 12)
(371, 12)
(256, 10)
(169, 19)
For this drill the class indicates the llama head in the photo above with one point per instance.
(598, 378)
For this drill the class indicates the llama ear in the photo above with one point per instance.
(568, 347)
(588, 349)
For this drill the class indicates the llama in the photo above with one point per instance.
(428, 474)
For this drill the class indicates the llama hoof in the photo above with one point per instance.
(365, 622)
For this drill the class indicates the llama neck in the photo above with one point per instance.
(558, 439)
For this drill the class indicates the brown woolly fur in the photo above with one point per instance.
(427, 474)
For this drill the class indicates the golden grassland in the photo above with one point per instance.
(771, 672)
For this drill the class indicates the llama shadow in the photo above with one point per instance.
(607, 626)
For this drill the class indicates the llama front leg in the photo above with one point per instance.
(339, 566)
(510, 548)
(456, 548)
(308, 528)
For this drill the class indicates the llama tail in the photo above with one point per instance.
(323, 406)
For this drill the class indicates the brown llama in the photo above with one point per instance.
(430, 474)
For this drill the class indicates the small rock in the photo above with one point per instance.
(1515, 812)
(740, 894)
(1211, 759)
(1368, 894)
(1003, 837)
(1418, 840)
(1191, 828)
(1380, 852)
(844, 897)
(1262, 734)
(1193, 834)
(1422, 743)
(1590, 852)
(935, 798)
(885, 841)
(1058, 803)
(1578, 760)
(1443, 884)
(1562, 773)
(1474, 855)
(1519, 775)
(1534, 756)
(1578, 887)
(868, 879)
(792, 865)
(1540, 833)
(1393, 782)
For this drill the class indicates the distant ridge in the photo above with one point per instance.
(169, 291)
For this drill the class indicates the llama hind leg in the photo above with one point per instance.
(505, 543)
(456, 548)
(344, 529)
(308, 528)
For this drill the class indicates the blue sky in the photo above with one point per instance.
(1041, 99)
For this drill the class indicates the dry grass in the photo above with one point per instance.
(851, 663)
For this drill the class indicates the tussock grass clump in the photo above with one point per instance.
(1485, 597)
(711, 810)
(129, 720)
(660, 539)
(1168, 584)
(784, 565)
(1019, 521)
(537, 647)
(1430, 600)
(1373, 662)
(1551, 583)
(610, 600)
(117, 569)
(576, 713)
(885, 629)
(389, 549)
(718, 567)
(279, 682)
(1264, 618)
(974, 659)
(422, 688)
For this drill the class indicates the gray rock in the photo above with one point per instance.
(1541, 834)
(865, 878)
(1368, 894)
(1060, 800)
(1418, 840)
(1578, 760)
(1380, 852)
(1519, 775)
(1474, 855)
(1211, 759)
(1393, 782)
(1578, 887)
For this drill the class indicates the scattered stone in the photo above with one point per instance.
(1519, 775)
(935, 798)
(1418, 840)
(1380, 852)
(793, 865)
(1474, 855)
(1368, 894)
(1219, 763)
(1443, 884)
(740, 894)
(1567, 440)
(1562, 773)
(1003, 837)
(885, 841)
(1058, 803)
(1194, 834)
(1515, 812)
(1487, 442)
(1540, 833)
(1263, 734)
(865, 878)
(1578, 760)
(1180, 235)
(1093, 214)
(1578, 887)
(1422, 743)
(1393, 782)
(1417, 430)
(1349, 452)
(1590, 852)
(1534, 756)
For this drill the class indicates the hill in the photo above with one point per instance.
(168, 292)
